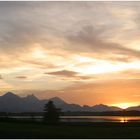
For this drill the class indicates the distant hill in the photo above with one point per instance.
(137, 108)
(102, 107)
(11, 102)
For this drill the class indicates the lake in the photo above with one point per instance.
(121, 119)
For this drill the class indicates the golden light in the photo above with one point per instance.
(101, 66)
(38, 53)
(124, 105)
(79, 58)
(123, 119)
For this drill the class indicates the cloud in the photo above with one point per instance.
(1, 77)
(69, 74)
(131, 73)
(64, 73)
(21, 77)
(73, 32)
(89, 40)
(61, 31)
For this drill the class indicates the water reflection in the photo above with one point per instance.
(128, 119)
(123, 119)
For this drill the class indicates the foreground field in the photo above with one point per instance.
(94, 130)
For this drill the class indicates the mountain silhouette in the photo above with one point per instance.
(31, 98)
(58, 101)
(10, 95)
(137, 108)
(103, 107)
(11, 102)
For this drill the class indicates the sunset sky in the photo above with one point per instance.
(83, 52)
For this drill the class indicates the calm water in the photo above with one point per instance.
(121, 119)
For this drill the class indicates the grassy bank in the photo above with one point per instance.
(94, 130)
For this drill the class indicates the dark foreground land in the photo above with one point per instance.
(69, 130)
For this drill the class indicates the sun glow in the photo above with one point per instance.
(100, 67)
(124, 119)
(38, 53)
(124, 105)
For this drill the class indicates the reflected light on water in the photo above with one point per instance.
(123, 119)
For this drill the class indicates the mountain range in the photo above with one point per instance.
(11, 102)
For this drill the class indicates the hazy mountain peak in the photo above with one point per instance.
(134, 108)
(10, 94)
(57, 100)
(101, 105)
(32, 96)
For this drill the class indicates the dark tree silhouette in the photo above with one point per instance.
(51, 113)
